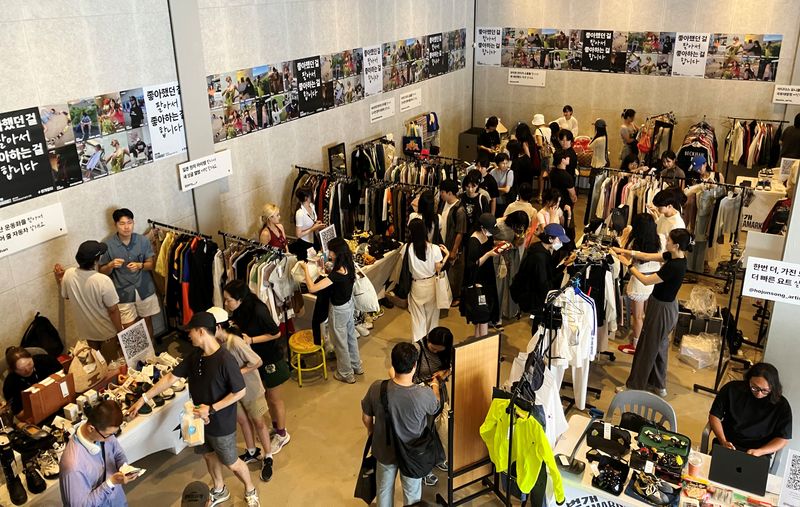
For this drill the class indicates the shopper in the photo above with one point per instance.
(341, 317)
(551, 212)
(523, 203)
(565, 140)
(410, 407)
(563, 181)
(628, 132)
(568, 121)
(475, 203)
(89, 468)
(641, 236)
(630, 164)
(790, 140)
(504, 179)
(751, 415)
(543, 138)
(488, 185)
(129, 261)
(258, 329)
(425, 261)
(669, 172)
(24, 370)
(305, 224)
(453, 230)
(215, 385)
(521, 164)
(479, 273)
(666, 209)
(254, 404)
(649, 368)
(95, 300)
(196, 494)
(425, 209)
(599, 145)
(272, 232)
(489, 139)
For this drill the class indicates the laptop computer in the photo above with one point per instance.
(739, 470)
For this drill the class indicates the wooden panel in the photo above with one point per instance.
(475, 372)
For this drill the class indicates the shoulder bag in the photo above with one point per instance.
(403, 286)
(366, 484)
(444, 295)
(364, 295)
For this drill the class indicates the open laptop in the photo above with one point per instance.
(739, 470)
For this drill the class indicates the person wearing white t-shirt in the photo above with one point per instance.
(306, 224)
(425, 260)
(568, 121)
(666, 209)
(94, 298)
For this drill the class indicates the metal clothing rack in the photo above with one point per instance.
(381, 139)
(338, 176)
(735, 119)
(177, 229)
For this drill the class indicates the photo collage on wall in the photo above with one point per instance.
(729, 56)
(60, 145)
(247, 100)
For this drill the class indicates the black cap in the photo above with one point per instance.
(90, 251)
(488, 222)
(195, 493)
(202, 319)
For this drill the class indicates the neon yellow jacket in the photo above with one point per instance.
(530, 449)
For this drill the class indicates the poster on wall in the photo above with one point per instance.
(24, 161)
(403, 64)
(165, 119)
(596, 54)
(488, 44)
(83, 114)
(456, 45)
(649, 53)
(66, 168)
(309, 85)
(31, 228)
(746, 57)
(434, 53)
(133, 108)
(691, 51)
(343, 77)
(373, 70)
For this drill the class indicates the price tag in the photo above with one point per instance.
(595, 469)
(649, 468)
(564, 460)
(607, 431)
(64, 390)
(148, 370)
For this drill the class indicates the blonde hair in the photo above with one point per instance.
(268, 211)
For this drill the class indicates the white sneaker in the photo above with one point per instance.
(252, 499)
(278, 442)
(362, 330)
(48, 465)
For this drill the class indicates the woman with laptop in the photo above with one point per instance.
(751, 415)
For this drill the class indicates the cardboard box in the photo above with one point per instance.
(48, 397)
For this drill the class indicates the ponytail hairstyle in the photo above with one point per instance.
(682, 238)
(419, 238)
(628, 114)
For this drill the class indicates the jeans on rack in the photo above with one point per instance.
(345, 339)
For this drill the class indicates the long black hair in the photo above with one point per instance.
(344, 257)
(426, 207)
(682, 238)
(419, 238)
(644, 234)
(523, 135)
(442, 337)
(245, 313)
(768, 373)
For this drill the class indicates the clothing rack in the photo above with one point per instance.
(390, 184)
(177, 229)
(735, 119)
(381, 139)
(249, 242)
(333, 174)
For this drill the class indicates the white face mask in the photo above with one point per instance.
(488, 234)
(557, 245)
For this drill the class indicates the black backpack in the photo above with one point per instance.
(41, 333)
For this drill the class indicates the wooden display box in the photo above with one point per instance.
(48, 397)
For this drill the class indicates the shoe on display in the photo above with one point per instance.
(266, 470)
(250, 458)
(168, 394)
(158, 400)
(48, 464)
(146, 409)
(217, 497)
(278, 442)
(362, 330)
(34, 479)
(252, 499)
(347, 380)
(16, 491)
(647, 488)
(179, 385)
(431, 479)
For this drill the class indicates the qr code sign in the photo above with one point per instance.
(792, 479)
(135, 341)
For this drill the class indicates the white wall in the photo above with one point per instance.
(602, 95)
(58, 50)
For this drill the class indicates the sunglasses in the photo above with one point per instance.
(759, 390)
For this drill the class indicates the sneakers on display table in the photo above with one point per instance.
(278, 442)
(266, 470)
(16, 492)
(48, 464)
(250, 458)
(34, 478)
(217, 497)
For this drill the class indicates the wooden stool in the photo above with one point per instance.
(301, 344)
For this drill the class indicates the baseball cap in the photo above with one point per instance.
(538, 119)
(557, 231)
(601, 123)
(201, 319)
(488, 222)
(219, 314)
(195, 494)
(698, 161)
(90, 250)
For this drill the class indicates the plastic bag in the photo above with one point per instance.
(192, 428)
(702, 303)
(700, 351)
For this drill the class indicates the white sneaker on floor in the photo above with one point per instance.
(362, 330)
(217, 497)
(279, 441)
(252, 499)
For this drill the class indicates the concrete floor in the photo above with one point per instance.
(319, 466)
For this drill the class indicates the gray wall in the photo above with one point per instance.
(599, 95)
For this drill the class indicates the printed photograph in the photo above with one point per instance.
(619, 42)
(326, 91)
(559, 59)
(261, 80)
(512, 38)
(413, 49)
(65, 166)
(618, 61)
(133, 108)
(140, 146)
(263, 118)
(116, 154)
(84, 117)
(664, 65)
(555, 38)
(326, 67)
(354, 89)
(109, 113)
(248, 111)
(214, 86)
(667, 42)
(575, 40)
(715, 67)
(289, 79)
(393, 77)
(90, 159)
(57, 125)
(276, 107)
(218, 124)
(353, 62)
(292, 105)
(772, 45)
(533, 39)
(275, 79)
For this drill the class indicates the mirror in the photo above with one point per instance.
(337, 159)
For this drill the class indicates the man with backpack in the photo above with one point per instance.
(410, 408)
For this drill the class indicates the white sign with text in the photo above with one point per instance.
(195, 173)
(381, 110)
(487, 45)
(32, 228)
(410, 100)
(772, 280)
(786, 94)
(526, 77)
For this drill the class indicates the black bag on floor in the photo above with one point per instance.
(366, 483)
(41, 333)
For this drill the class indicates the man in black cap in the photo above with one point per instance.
(215, 385)
(95, 299)
(196, 494)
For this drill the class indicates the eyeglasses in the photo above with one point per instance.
(759, 390)
(115, 434)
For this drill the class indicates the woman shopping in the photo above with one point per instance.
(628, 132)
(272, 232)
(479, 298)
(258, 329)
(649, 368)
(425, 260)
(306, 224)
(341, 316)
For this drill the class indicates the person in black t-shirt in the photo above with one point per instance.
(24, 371)
(565, 139)
(488, 184)
(489, 140)
(649, 368)
(563, 181)
(475, 203)
(752, 415)
(215, 385)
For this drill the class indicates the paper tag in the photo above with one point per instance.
(649, 468)
(564, 460)
(595, 469)
(607, 431)
(47, 381)
(148, 370)
(64, 389)
(33, 390)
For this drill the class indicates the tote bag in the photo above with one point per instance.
(88, 366)
(444, 296)
(366, 483)
(364, 295)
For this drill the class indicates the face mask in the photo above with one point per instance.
(557, 245)
(488, 234)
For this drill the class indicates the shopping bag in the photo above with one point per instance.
(403, 286)
(88, 366)
(444, 296)
(476, 304)
(364, 295)
(366, 484)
